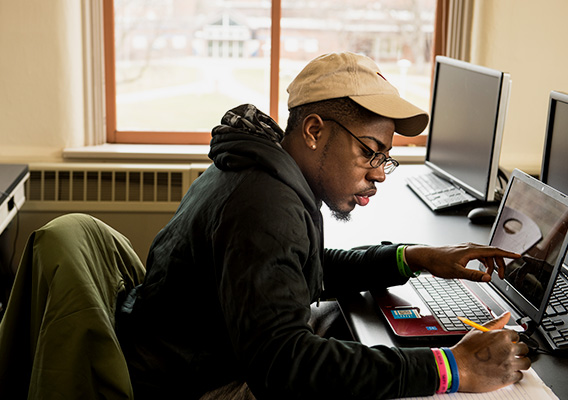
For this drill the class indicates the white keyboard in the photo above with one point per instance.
(436, 192)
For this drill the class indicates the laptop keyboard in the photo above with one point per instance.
(449, 299)
(436, 192)
(554, 325)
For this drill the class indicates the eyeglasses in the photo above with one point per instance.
(376, 158)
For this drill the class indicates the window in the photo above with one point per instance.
(174, 67)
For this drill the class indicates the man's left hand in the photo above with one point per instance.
(451, 261)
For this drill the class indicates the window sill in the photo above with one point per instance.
(139, 152)
(409, 154)
(190, 153)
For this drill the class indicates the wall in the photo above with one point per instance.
(526, 39)
(42, 107)
(41, 78)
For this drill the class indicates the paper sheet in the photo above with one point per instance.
(531, 387)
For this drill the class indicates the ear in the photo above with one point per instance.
(312, 127)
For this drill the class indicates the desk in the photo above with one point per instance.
(398, 215)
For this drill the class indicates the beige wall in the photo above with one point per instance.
(527, 39)
(41, 78)
(42, 102)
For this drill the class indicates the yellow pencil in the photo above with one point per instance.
(473, 324)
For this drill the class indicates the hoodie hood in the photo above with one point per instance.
(248, 138)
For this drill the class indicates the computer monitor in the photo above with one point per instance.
(554, 169)
(469, 106)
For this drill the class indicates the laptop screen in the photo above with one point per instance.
(533, 221)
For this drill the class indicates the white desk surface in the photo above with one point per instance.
(396, 214)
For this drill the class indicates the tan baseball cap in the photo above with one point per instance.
(336, 75)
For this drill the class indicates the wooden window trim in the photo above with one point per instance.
(113, 135)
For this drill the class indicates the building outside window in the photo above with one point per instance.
(179, 65)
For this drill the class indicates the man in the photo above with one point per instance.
(225, 306)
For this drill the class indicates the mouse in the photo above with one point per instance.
(483, 215)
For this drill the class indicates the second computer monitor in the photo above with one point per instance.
(469, 106)
(554, 170)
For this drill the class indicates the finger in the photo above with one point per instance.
(478, 275)
(516, 377)
(489, 266)
(522, 349)
(523, 364)
(491, 251)
(472, 275)
(499, 322)
(501, 265)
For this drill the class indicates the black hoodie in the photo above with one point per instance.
(231, 278)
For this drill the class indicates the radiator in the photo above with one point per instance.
(92, 187)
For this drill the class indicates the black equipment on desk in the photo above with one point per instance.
(554, 172)
(469, 106)
(12, 196)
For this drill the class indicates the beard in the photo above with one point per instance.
(343, 216)
(336, 211)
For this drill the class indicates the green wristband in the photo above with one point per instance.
(448, 369)
(403, 267)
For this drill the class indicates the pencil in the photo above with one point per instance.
(473, 324)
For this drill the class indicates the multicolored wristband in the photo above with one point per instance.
(403, 267)
(442, 371)
(454, 370)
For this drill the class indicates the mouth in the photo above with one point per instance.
(363, 199)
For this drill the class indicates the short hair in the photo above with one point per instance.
(344, 109)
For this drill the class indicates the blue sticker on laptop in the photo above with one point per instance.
(405, 313)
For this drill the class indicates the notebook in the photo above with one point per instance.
(532, 220)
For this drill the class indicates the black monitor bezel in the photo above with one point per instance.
(489, 192)
(554, 98)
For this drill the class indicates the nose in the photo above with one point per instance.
(377, 174)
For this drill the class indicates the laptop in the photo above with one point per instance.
(532, 220)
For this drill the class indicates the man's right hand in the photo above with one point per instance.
(490, 360)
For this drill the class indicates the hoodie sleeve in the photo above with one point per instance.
(365, 268)
(262, 251)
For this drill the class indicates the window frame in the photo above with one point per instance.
(113, 135)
